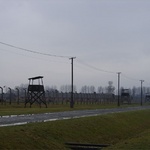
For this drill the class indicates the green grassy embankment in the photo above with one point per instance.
(130, 130)
(15, 109)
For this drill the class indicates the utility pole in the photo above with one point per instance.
(72, 102)
(141, 92)
(118, 88)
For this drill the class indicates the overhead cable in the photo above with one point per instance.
(95, 68)
(31, 51)
(29, 56)
(129, 78)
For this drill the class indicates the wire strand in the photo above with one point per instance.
(29, 56)
(31, 51)
(95, 68)
(129, 78)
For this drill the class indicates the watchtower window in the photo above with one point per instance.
(38, 80)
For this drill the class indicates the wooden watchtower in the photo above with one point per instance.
(36, 93)
(125, 96)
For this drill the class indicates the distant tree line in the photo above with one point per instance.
(20, 92)
(134, 91)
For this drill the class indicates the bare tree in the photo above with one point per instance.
(91, 89)
(84, 89)
(53, 88)
(88, 89)
(67, 88)
(100, 89)
(110, 88)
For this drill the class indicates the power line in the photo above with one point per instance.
(129, 78)
(135, 79)
(95, 68)
(29, 56)
(106, 71)
(60, 56)
(31, 51)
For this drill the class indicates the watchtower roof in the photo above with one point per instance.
(34, 78)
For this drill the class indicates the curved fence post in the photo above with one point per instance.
(10, 95)
(1, 94)
(17, 95)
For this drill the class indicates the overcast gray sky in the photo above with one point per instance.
(105, 36)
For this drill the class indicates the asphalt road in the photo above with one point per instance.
(13, 120)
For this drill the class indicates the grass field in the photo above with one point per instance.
(130, 130)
